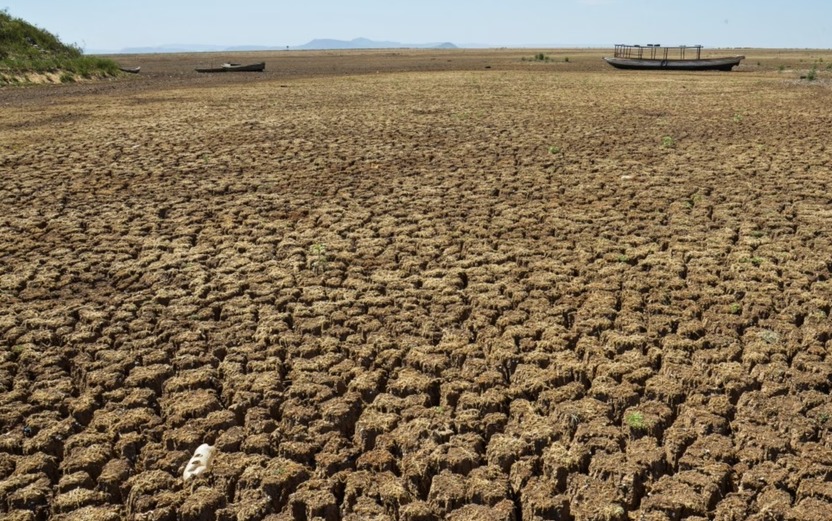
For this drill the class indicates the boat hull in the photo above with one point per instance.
(706, 64)
(233, 67)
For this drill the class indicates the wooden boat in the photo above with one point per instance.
(656, 57)
(131, 70)
(235, 67)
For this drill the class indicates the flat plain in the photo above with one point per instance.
(419, 285)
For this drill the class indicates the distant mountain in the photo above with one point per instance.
(318, 44)
(364, 43)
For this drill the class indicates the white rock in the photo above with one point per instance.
(200, 462)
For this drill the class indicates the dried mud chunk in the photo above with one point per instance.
(504, 449)
(19, 515)
(186, 405)
(187, 380)
(142, 487)
(75, 499)
(202, 505)
(773, 503)
(409, 382)
(734, 507)
(88, 459)
(30, 492)
(503, 511)
(447, 492)
(152, 377)
(377, 460)
(342, 413)
(125, 421)
(714, 447)
(688, 493)
(540, 500)
(83, 407)
(815, 488)
(383, 489)
(418, 511)
(75, 480)
(623, 474)
(92, 513)
(8, 463)
(487, 486)
(37, 463)
(649, 456)
(594, 499)
(809, 509)
(230, 440)
(113, 478)
(313, 499)
(280, 479)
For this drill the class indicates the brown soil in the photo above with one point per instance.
(418, 285)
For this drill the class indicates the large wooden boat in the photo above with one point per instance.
(681, 58)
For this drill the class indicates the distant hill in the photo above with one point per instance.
(364, 43)
(27, 51)
(318, 44)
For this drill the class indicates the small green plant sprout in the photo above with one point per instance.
(823, 418)
(735, 308)
(554, 150)
(757, 234)
(635, 421)
(623, 258)
(755, 260)
(318, 258)
(668, 142)
(737, 118)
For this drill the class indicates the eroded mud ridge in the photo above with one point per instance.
(490, 295)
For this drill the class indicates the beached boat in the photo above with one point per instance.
(234, 67)
(131, 70)
(681, 58)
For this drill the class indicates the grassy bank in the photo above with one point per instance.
(27, 52)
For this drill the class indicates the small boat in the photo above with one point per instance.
(131, 70)
(235, 67)
(656, 57)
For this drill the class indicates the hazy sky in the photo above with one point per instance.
(116, 24)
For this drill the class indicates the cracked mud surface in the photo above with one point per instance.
(555, 292)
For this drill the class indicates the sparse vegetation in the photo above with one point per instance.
(554, 150)
(735, 308)
(668, 142)
(25, 48)
(635, 421)
(318, 258)
(539, 57)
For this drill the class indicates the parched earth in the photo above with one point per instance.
(439, 291)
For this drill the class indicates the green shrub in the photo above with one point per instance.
(27, 48)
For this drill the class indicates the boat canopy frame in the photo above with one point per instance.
(654, 51)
